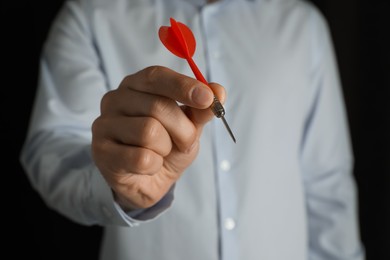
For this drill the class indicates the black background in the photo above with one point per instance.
(360, 30)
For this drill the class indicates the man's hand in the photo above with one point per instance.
(143, 140)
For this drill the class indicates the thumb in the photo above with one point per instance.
(201, 116)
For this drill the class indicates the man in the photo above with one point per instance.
(118, 141)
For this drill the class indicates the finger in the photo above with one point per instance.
(165, 82)
(113, 157)
(144, 132)
(138, 104)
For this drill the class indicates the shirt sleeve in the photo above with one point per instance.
(56, 154)
(327, 159)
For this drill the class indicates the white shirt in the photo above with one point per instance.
(284, 191)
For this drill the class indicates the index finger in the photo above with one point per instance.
(159, 80)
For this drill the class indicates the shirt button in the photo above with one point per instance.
(229, 224)
(225, 165)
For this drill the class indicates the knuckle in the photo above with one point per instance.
(144, 161)
(95, 125)
(152, 73)
(151, 131)
(189, 137)
(107, 100)
(186, 138)
(155, 136)
(97, 128)
(162, 106)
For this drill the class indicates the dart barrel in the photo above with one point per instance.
(217, 108)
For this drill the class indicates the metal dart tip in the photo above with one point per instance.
(228, 128)
(219, 112)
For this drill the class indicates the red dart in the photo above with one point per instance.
(180, 40)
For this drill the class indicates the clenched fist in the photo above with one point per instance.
(143, 139)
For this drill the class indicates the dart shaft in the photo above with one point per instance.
(216, 107)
